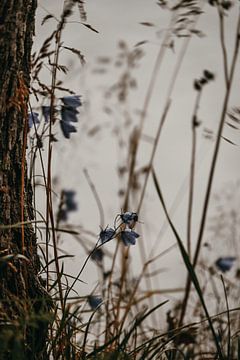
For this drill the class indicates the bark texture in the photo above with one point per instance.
(22, 298)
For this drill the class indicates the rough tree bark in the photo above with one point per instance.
(21, 295)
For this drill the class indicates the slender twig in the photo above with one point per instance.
(192, 171)
(223, 45)
(109, 290)
(159, 130)
(96, 196)
(228, 320)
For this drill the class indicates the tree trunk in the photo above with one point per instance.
(22, 298)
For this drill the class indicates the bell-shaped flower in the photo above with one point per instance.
(94, 301)
(69, 114)
(69, 204)
(225, 263)
(67, 129)
(69, 200)
(63, 214)
(46, 113)
(72, 101)
(129, 237)
(107, 234)
(33, 118)
(129, 218)
(97, 255)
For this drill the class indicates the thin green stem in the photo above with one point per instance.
(192, 171)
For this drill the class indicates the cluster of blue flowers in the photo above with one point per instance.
(124, 230)
(68, 114)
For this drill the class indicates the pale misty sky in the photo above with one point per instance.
(119, 20)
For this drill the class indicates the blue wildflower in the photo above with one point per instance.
(71, 204)
(129, 237)
(72, 101)
(67, 129)
(225, 263)
(97, 255)
(106, 234)
(33, 118)
(46, 113)
(94, 301)
(62, 214)
(129, 218)
(69, 114)
(106, 274)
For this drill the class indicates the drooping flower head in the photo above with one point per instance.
(97, 256)
(67, 129)
(129, 218)
(46, 113)
(69, 204)
(69, 114)
(107, 234)
(94, 301)
(72, 101)
(33, 118)
(225, 263)
(129, 237)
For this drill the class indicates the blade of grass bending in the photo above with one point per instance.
(87, 330)
(138, 321)
(196, 323)
(59, 258)
(57, 280)
(188, 265)
(172, 353)
(101, 348)
(19, 224)
(66, 319)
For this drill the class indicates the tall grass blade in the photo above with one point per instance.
(188, 265)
